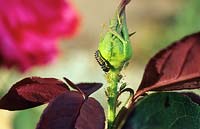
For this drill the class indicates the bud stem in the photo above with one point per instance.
(113, 78)
(113, 55)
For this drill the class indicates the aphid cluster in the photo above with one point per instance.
(102, 62)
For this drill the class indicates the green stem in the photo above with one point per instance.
(124, 111)
(113, 79)
(115, 52)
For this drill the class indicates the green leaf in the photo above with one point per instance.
(164, 111)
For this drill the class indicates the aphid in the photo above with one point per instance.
(122, 86)
(119, 103)
(102, 62)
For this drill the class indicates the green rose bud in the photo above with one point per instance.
(115, 47)
(113, 53)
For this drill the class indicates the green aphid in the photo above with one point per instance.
(122, 86)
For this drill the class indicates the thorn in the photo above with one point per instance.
(131, 34)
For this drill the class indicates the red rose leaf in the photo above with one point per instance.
(89, 88)
(91, 116)
(174, 68)
(85, 88)
(31, 92)
(62, 112)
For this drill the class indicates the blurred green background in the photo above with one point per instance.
(157, 24)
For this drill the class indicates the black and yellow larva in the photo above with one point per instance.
(102, 62)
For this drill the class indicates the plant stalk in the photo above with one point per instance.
(114, 53)
(113, 79)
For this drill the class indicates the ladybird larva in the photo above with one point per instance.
(102, 62)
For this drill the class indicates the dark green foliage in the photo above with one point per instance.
(165, 111)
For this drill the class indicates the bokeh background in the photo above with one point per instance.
(157, 24)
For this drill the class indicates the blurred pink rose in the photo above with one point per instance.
(29, 30)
